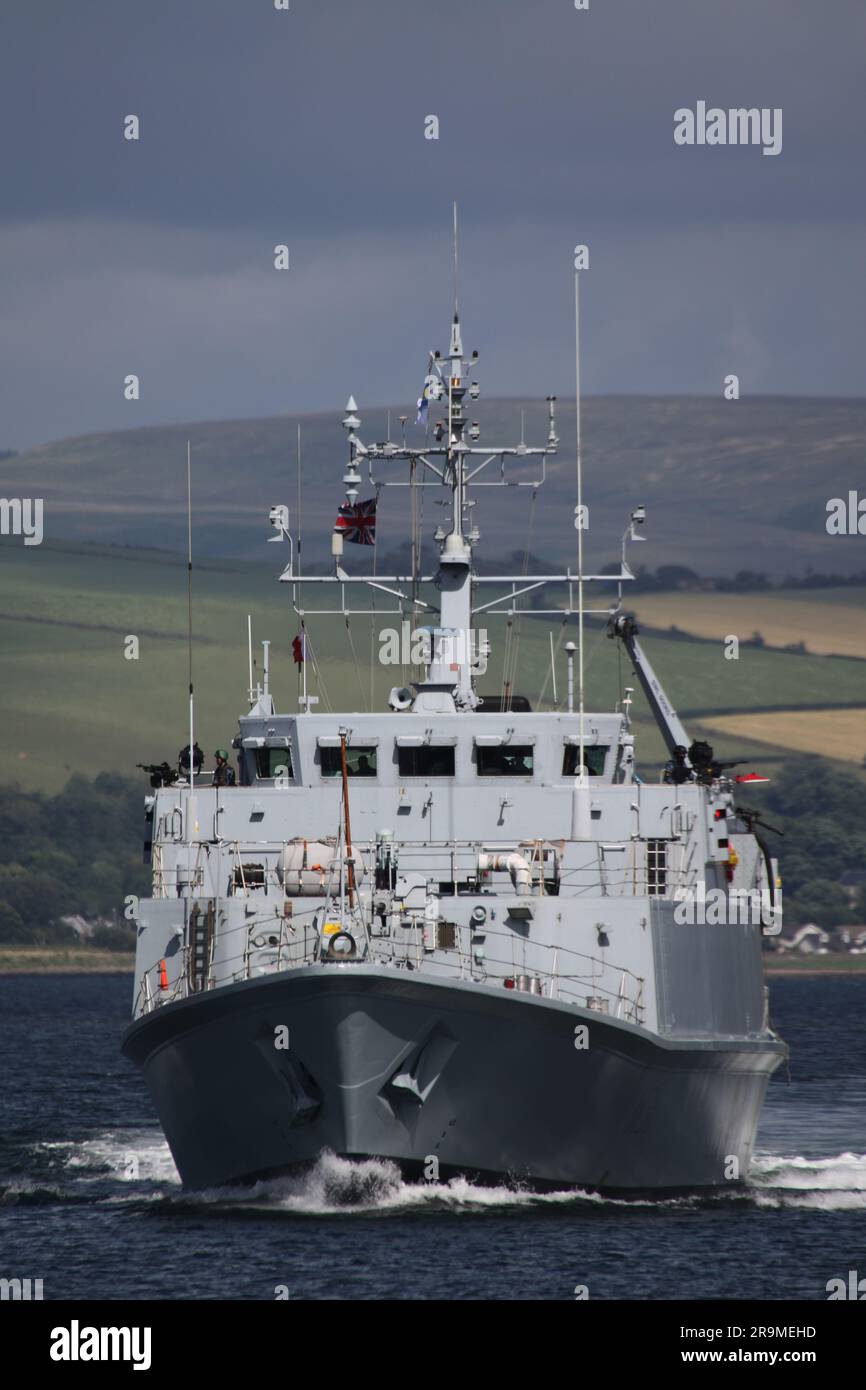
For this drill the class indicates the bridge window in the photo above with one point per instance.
(273, 762)
(594, 756)
(360, 761)
(428, 760)
(505, 760)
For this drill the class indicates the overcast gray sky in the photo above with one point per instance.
(307, 127)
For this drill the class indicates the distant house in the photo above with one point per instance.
(82, 928)
(852, 939)
(807, 940)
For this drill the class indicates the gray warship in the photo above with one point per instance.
(460, 934)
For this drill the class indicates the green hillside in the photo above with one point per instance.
(71, 702)
(728, 485)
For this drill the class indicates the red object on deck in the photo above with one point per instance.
(751, 777)
(163, 975)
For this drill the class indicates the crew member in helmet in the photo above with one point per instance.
(677, 769)
(224, 774)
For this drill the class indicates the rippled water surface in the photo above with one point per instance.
(90, 1201)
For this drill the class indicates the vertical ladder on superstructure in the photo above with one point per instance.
(201, 932)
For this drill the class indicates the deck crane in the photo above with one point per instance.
(624, 626)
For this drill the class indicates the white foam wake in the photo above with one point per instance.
(824, 1184)
(341, 1185)
(142, 1159)
(124, 1155)
(335, 1184)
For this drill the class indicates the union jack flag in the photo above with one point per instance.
(356, 522)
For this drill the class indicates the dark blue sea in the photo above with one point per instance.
(90, 1201)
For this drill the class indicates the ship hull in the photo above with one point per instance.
(443, 1078)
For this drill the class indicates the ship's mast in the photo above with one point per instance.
(453, 461)
(450, 654)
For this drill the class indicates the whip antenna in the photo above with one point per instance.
(302, 670)
(580, 684)
(189, 611)
(456, 278)
(250, 652)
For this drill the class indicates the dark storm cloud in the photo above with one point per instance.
(307, 127)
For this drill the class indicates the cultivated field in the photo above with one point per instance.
(829, 621)
(70, 701)
(839, 733)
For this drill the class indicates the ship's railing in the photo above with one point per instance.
(570, 976)
(294, 944)
(187, 876)
(575, 977)
(637, 874)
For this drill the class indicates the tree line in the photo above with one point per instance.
(78, 853)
